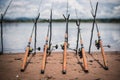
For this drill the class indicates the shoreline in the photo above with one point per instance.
(10, 65)
(92, 52)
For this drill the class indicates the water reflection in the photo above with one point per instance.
(16, 35)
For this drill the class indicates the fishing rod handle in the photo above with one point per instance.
(44, 59)
(84, 60)
(104, 56)
(64, 58)
(25, 59)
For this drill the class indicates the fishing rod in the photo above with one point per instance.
(7, 8)
(65, 46)
(29, 49)
(45, 53)
(98, 43)
(2, 18)
(48, 45)
(81, 52)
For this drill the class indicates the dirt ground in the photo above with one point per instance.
(10, 66)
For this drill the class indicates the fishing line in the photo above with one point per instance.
(36, 17)
(67, 9)
(76, 13)
(2, 17)
(52, 4)
(7, 8)
(39, 6)
(92, 10)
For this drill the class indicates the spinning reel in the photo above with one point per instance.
(80, 53)
(62, 46)
(97, 44)
(31, 50)
(50, 50)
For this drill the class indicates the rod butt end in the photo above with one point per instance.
(64, 71)
(106, 68)
(42, 71)
(22, 70)
(86, 71)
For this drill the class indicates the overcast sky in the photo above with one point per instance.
(29, 8)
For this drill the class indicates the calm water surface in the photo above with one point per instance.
(16, 35)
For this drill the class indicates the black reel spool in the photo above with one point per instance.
(56, 47)
(80, 53)
(97, 44)
(38, 48)
(62, 46)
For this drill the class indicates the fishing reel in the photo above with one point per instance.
(38, 48)
(80, 53)
(53, 47)
(62, 46)
(107, 46)
(31, 50)
(56, 47)
(97, 44)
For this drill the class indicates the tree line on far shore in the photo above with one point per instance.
(114, 20)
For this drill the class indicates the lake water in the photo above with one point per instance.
(16, 35)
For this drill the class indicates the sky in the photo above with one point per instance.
(31, 8)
